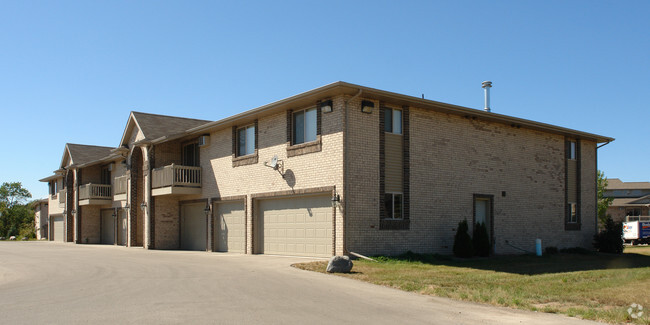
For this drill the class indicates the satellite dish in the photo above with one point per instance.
(274, 162)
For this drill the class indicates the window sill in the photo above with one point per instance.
(394, 224)
(245, 160)
(304, 148)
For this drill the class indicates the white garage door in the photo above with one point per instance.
(58, 228)
(230, 227)
(296, 226)
(108, 227)
(121, 228)
(193, 227)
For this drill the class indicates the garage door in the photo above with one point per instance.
(108, 227)
(121, 228)
(57, 229)
(193, 227)
(296, 226)
(230, 227)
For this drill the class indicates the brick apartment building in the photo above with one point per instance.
(336, 169)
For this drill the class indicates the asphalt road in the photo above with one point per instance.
(56, 283)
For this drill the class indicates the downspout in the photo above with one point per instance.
(345, 168)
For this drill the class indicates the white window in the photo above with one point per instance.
(393, 120)
(304, 126)
(246, 141)
(573, 213)
(572, 150)
(393, 204)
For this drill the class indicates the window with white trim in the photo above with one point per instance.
(393, 120)
(572, 150)
(573, 212)
(246, 140)
(305, 126)
(393, 206)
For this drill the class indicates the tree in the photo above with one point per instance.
(481, 240)
(610, 239)
(13, 193)
(463, 246)
(603, 202)
(14, 214)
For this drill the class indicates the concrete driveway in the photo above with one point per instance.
(55, 283)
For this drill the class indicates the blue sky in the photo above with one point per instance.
(71, 71)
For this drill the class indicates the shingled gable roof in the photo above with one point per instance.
(81, 154)
(155, 126)
(617, 184)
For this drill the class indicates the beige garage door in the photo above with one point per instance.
(122, 224)
(230, 227)
(296, 226)
(193, 227)
(58, 228)
(108, 227)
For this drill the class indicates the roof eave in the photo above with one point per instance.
(344, 88)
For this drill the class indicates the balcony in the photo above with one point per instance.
(61, 195)
(119, 188)
(176, 180)
(95, 194)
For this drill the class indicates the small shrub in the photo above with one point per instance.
(481, 240)
(550, 250)
(610, 239)
(463, 246)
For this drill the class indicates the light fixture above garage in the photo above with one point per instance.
(326, 106)
(367, 106)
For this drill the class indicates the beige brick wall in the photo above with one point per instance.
(317, 169)
(90, 224)
(91, 174)
(167, 221)
(453, 158)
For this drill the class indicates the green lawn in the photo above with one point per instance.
(591, 286)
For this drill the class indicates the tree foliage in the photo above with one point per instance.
(610, 239)
(16, 215)
(481, 240)
(603, 202)
(463, 246)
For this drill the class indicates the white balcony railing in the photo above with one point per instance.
(119, 185)
(176, 176)
(95, 191)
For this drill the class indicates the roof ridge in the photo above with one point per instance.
(170, 116)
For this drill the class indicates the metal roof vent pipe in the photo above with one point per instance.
(487, 85)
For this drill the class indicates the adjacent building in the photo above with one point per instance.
(336, 169)
(631, 200)
(41, 216)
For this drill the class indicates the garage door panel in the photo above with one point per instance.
(108, 227)
(297, 226)
(122, 225)
(59, 227)
(230, 230)
(193, 227)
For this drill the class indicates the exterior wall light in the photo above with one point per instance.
(73, 212)
(335, 199)
(326, 106)
(367, 106)
(207, 210)
(143, 206)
